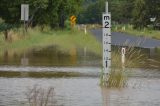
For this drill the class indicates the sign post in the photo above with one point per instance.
(106, 18)
(24, 13)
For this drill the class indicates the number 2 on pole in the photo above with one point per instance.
(106, 24)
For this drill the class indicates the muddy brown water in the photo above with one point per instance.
(51, 56)
(143, 87)
(82, 92)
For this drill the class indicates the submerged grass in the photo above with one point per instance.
(117, 79)
(64, 39)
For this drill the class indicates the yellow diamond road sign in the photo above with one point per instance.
(73, 18)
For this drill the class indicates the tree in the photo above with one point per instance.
(144, 10)
(92, 13)
(140, 16)
(9, 11)
(66, 9)
(52, 9)
(42, 12)
(120, 10)
(5, 28)
(153, 7)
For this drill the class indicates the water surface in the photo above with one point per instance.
(82, 92)
(143, 86)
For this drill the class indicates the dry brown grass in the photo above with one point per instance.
(40, 97)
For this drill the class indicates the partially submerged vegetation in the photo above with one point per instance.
(38, 96)
(117, 76)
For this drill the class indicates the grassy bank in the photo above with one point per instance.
(146, 32)
(64, 39)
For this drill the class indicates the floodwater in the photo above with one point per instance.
(51, 56)
(82, 92)
(143, 87)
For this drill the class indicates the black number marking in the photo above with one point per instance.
(106, 24)
(106, 64)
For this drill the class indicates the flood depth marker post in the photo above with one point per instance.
(106, 21)
(24, 14)
(123, 52)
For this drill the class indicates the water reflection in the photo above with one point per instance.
(51, 56)
(24, 60)
(152, 52)
(5, 56)
(73, 56)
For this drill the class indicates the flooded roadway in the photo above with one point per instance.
(82, 92)
(143, 87)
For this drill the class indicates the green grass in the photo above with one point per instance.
(64, 39)
(146, 32)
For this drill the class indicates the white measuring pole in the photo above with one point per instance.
(106, 21)
(106, 7)
(123, 52)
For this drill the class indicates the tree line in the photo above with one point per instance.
(55, 12)
(136, 12)
(41, 12)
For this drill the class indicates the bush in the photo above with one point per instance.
(67, 25)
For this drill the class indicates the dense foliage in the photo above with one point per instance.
(42, 12)
(56, 12)
(144, 10)
(136, 12)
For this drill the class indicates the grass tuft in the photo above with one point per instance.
(117, 76)
(40, 97)
(117, 79)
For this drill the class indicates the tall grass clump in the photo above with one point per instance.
(40, 97)
(117, 76)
